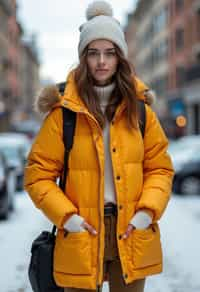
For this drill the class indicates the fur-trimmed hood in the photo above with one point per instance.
(50, 97)
(47, 99)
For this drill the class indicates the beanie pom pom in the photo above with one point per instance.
(97, 8)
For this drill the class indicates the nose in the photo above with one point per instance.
(102, 59)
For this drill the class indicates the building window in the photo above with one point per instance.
(198, 57)
(179, 5)
(164, 49)
(198, 23)
(161, 85)
(180, 76)
(160, 20)
(3, 23)
(179, 39)
(160, 52)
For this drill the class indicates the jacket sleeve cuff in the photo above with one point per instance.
(141, 220)
(148, 211)
(73, 224)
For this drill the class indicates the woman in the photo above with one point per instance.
(118, 183)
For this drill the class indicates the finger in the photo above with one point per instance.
(89, 228)
(128, 231)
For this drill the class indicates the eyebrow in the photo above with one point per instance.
(94, 49)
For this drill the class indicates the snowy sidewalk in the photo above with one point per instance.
(16, 235)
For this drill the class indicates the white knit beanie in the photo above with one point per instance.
(101, 25)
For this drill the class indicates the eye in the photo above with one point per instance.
(111, 54)
(92, 53)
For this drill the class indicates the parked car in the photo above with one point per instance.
(28, 127)
(7, 189)
(15, 147)
(178, 148)
(185, 155)
(187, 176)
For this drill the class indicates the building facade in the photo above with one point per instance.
(30, 83)
(185, 62)
(165, 51)
(8, 66)
(19, 67)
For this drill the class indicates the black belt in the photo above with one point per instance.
(110, 209)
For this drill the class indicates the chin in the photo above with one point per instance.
(102, 81)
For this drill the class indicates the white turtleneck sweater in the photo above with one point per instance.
(141, 219)
(109, 188)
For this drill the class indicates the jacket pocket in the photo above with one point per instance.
(146, 247)
(72, 254)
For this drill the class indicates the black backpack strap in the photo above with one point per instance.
(142, 116)
(61, 87)
(69, 124)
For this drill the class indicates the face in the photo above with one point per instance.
(102, 61)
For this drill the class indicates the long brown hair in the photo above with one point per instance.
(124, 90)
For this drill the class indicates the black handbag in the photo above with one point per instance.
(40, 270)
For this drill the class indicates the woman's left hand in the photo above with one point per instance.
(128, 231)
(141, 220)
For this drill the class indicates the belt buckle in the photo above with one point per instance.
(110, 210)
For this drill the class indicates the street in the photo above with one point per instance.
(180, 238)
(117, 83)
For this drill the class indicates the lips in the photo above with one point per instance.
(101, 70)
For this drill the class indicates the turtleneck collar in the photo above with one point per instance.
(104, 93)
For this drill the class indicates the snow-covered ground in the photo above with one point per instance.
(180, 236)
(16, 235)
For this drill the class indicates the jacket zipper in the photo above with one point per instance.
(98, 285)
(98, 248)
(99, 229)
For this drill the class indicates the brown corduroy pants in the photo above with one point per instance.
(112, 266)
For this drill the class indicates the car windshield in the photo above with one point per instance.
(195, 156)
(184, 145)
(9, 152)
(185, 155)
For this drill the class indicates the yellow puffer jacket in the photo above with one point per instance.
(142, 175)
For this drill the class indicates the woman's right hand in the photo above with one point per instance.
(89, 228)
(77, 223)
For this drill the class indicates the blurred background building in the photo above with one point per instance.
(164, 47)
(19, 68)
